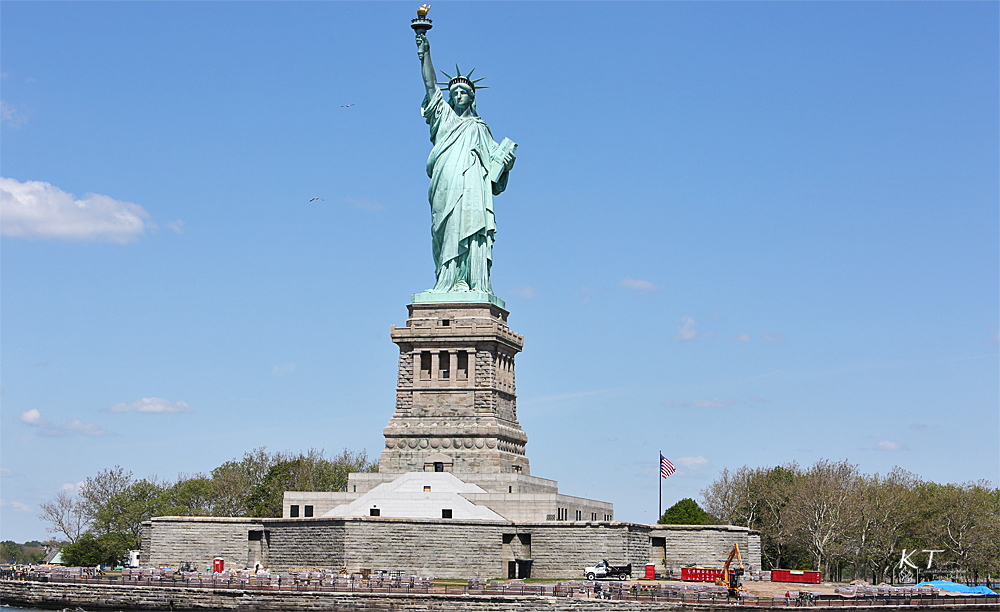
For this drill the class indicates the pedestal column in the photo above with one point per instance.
(465, 425)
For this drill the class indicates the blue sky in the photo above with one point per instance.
(739, 233)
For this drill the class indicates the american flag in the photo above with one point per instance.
(666, 468)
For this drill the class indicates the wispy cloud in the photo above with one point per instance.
(687, 332)
(34, 209)
(6, 471)
(177, 226)
(586, 293)
(701, 403)
(688, 465)
(886, 445)
(774, 337)
(151, 405)
(33, 418)
(364, 204)
(637, 284)
(15, 505)
(282, 370)
(72, 487)
(525, 291)
(742, 338)
(11, 115)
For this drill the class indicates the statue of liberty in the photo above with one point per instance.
(467, 168)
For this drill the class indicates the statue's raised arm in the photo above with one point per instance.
(426, 66)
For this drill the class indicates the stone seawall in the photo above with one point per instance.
(184, 599)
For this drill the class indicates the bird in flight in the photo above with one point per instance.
(346, 105)
(320, 199)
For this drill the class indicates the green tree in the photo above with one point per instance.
(882, 507)
(97, 490)
(964, 520)
(234, 481)
(90, 550)
(122, 515)
(309, 471)
(11, 552)
(686, 512)
(189, 497)
(819, 509)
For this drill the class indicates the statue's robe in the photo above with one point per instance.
(461, 194)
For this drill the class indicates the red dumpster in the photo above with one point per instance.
(218, 565)
(795, 576)
(650, 571)
(699, 574)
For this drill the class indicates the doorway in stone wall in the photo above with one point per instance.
(257, 545)
(516, 549)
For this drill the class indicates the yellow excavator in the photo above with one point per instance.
(730, 578)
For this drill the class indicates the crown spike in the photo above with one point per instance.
(458, 71)
(447, 75)
(469, 75)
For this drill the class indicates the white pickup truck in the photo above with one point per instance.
(606, 570)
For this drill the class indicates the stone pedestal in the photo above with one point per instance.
(456, 405)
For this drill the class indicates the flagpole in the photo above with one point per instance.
(659, 478)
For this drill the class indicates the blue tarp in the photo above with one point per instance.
(955, 587)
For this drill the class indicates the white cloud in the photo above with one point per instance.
(886, 445)
(32, 417)
(686, 332)
(637, 284)
(742, 338)
(65, 427)
(11, 115)
(690, 464)
(34, 209)
(281, 370)
(151, 405)
(72, 487)
(176, 225)
(525, 291)
(364, 204)
(78, 426)
(15, 505)
(6, 471)
(774, 337)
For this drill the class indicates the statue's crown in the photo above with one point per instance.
(458, 79)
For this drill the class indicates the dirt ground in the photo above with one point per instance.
(764, 589)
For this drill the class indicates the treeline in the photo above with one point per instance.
(832, 517)
(21, 554)
(103, 521)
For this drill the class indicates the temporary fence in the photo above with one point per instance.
(398, 583)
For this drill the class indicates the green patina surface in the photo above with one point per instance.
(467, 168)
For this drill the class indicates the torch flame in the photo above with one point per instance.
(422, 11)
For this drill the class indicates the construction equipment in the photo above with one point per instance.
(730, 578)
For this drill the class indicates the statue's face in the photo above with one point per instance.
(461, 96)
